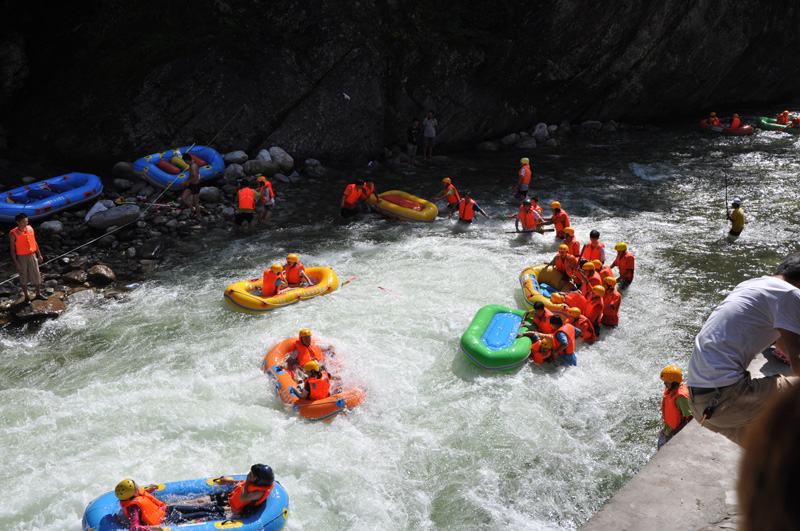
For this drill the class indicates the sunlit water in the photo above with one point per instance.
(166, 385)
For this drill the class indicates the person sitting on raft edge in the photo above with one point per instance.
(317, 384)
(273, 281)
(304, 351)
(295, 271)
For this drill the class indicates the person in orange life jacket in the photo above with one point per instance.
(559, 219)
(564, 351)
(713, 121)
(736, 122)
(366, 190)
(466, 209)
(782, 118)
(625, 263)
(350, 198)
(248, 495)
(582, 323)
(304, 351)
(611, 301)
(317, 384)
(541, 347)
(795, 122)
(675, 408)
(594, 307)
(536, 207)
(564, 262)
(524, 175)
(572, 242)
(602, 270)
(588, 277)
(295, 271)
(273, 281)
(246, 199)
(595, 249)
(266, 199)
(539, 318)
(26, 255)
(575, 299)
(450, 194)
(528, 217)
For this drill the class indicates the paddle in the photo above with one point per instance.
(529, 231)
(349, 280)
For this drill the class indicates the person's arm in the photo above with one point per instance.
(13, 242)
(516, 224)
(603, 255)
(479, 209)
(303, 274)
(684, 407)
(135, 520)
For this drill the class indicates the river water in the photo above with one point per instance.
(166, 385)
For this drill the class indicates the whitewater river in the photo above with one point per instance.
(166, 385)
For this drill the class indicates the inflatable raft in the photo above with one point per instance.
(43, 198)
(771, 124)
(105, 512)
(539, 282)
(161, 169)
(285, 383)
(491, 341)
(245, 295)
(402, 205)
(743, 130)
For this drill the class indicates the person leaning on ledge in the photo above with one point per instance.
(756, 314)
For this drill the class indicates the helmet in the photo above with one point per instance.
(557, 298)
(563, 248)
(526, 201)
(713, 113)
(672, 374)
(311, 366)
(610, 281)
(261, 179)
(546, 340)
(588, 266)
(555, 204)
(125, 489)
(736, 201)
(569, 230)
(574, 311)
(263, 474)
(292, 258)
(621, 247)
(785, 112)
(276, 268)
(736, 115)
(524, 160)
(598, 265)
(599, 291)
(305, 332)
(446, 180)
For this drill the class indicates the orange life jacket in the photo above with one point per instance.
(451, 194)
(466, 211)
(573, 244)
(669, 409)
(592, 252)
(266, 197)
(25, 242)
(538, 354)
(152, 510)
(292, 272)
(605, 272)
(782, 119)
(536, 207)
(576, 299)
(528, 218)
(566, 265)
(543, 323)
(319, 388)
(560, 221)
(247, 199)
(268, 287)
(595, 280)
(569, 330)
(525, 174)
(626, 264)
(586, 327)
(367, 191)
(736, 123)
(351, 195)
(796, 121)
(714, 121)
(594, 309)
(307, 353)
(235, 498)
(611, 301)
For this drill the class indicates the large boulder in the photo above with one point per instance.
(540, 132)
(234, 172)
(52, 227)
(264, 155)
(118, 215)
(210, 194)
(284, 160)
(101, 274)
(592, 125)
(264, 167)
(488, 145)
(124, 170)
(510, 139)
(122, 184)
(39, 309)
(76, 276)
(527, 143)
(235, 157)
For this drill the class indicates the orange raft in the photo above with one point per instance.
(324, 409)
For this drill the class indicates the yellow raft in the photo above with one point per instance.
(402, 205)
(532, 278)
(246, 296)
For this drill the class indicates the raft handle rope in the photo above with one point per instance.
(143, 213)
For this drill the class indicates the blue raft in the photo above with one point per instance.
(161, 169)
(43, 198)
(105, 512)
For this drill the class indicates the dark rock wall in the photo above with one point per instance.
(103, 81)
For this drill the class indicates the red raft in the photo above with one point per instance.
(743, 130)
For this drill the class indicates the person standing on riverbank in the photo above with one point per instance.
(429, 125)
(736, 217)
(412, 141)
(246, 199)
(26, 255)
(266, 200)
(675, 409)
(191, 194)
(756, 314)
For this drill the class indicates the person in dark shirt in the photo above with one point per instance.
(412, 139)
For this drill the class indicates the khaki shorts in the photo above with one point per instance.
(739, 404)
(29, 269)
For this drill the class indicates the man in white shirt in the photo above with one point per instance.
(756, 314)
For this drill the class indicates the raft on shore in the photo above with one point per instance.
(48, 196)
(169, 169)
(490, 341)
(245, 295)
(404, 206)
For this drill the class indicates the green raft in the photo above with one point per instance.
(771, 124)
(491, 341)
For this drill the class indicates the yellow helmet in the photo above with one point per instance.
(125, 489)
(311, 366)
(785, 112)
(292, 258)
(261, 179)
(713, 113)
(569, 230)
(736, 115)
(599, 290)
(563, 248)
(597, 264)
(610, 280)
(305, 332)
(574, 311)
(588, 266)
(446, 180)
(546, 341)
(557, 298)
(524, 160)
(672, 374)
(621, 247)
(276, 268)
(555, 204)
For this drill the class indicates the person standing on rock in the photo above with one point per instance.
(246, 199)
(429, 125)
(26, 255)
(756, 314)
(412, 141)
(266, 200)
(191, 195)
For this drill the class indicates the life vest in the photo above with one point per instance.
(595, 279)
(566, 265)
(714, 121)
(796, 121)
(25, 242)
(266, 198)
(543, 323)
(669, 409)
(569, 330)
(560, 221)
(525, 174)
(152, 510)
(611, 301)
(782, 119)
(592, 252)
(268, 287)
(594, 309)
(307, 353)
(576, 299)
(528, 218)
(626, 264)
(586, 327)
(539, 354)
(451, 194)
(235, 498)
(536, 207)
(367, 191)
(736, 123)
(573, 244)
(247, 199)
(319, 388)
(292, 272)
(605, 272)
(351, 195)
(466, 211)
